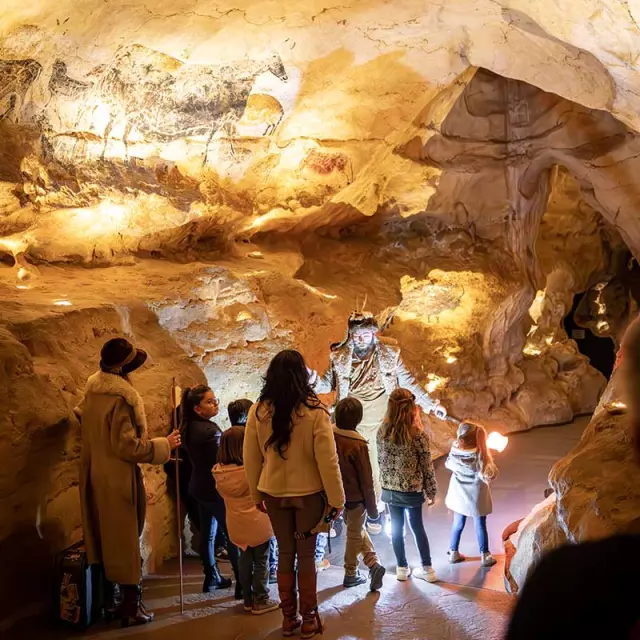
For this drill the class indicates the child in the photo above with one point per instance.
(469, 495)
(238, 412)
(249, 529)
(407, 476)
(360, 499)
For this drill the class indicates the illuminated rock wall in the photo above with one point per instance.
(251, 175)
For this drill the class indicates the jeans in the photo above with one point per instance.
(459, 522)
(273, 554)
(321, 546)
(213, 516)
(358, 541)
(253, 569)
(420, 535)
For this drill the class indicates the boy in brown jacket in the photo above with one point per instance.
(360, 500)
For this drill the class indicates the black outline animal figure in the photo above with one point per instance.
(16, 78)
(166, 99)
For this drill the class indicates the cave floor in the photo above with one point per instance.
(470, 603)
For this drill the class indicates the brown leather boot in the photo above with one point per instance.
(311, 622)
(288, 603)
(133, 611)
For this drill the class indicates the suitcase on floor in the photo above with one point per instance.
(77, 588)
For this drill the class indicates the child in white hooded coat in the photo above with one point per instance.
(469, 495)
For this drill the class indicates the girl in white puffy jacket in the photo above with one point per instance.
(469, 495)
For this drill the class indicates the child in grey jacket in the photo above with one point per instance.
(469, 495)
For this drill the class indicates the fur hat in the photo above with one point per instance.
(119, 356)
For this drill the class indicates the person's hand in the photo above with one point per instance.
(174, 439)
(440, 412)
(260, 506)
(338, 512)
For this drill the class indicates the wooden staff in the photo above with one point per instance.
(175, 401)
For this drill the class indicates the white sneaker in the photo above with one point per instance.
(488, 560)
(403, 573)
(425, 573)
(322, 565)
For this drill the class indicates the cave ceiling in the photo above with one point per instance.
(127, 128)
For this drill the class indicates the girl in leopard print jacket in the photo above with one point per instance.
(407, 478)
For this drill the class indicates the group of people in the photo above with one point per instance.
(282, 469)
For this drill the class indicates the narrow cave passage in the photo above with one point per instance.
(599, 350)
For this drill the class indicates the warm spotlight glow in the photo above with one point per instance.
(435, 382)
(105, 218)
(616, 407)
(328, 296)
(497, 441)
(243, 315)
(261, 220)
(21, 286)
(530, 350)
(62, 303)
(451, 359)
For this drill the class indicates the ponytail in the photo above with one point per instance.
(191, 398)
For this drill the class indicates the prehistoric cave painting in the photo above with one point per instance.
(16, 78)
(166, 99)
(325, 163)
(262, 110)
(60, 84)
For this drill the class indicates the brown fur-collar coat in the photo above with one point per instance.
(112, 495)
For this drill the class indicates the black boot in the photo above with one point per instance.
(112, 600)
(213, 580)
(133, 611)
(238, 595)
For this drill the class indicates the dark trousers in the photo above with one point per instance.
(213, 516)
(459, 522)
(420, 535)
(253, 570)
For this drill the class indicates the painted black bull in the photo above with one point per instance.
(166, 99)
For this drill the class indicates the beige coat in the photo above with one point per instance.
(310, 464)
(247, 526)
(114, 441)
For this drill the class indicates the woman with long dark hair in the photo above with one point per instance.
(292, 468)
(201, 438)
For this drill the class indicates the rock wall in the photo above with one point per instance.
(46, 357)
(596, 489)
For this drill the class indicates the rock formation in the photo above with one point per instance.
(225, 183)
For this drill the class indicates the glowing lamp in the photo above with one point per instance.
(497, 441)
